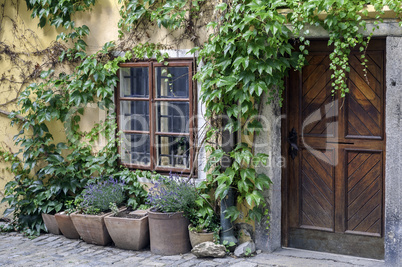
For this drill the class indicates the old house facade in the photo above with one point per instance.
(334, 162)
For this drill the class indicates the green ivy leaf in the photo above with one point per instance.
(222, 6)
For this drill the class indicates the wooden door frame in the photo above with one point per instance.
(285, 129)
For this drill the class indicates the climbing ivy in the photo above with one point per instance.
(172, 14)
(245, 60)
(252, 47)
(57, 13)
(51, 174)
(345, 25)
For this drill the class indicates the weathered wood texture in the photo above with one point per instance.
(336, 182)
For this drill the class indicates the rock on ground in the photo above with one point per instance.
(245, 248)
(209, 249)
(244, 236)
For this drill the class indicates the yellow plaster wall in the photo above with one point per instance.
(23, 39)
(21, 33)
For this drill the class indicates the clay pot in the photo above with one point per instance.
(198, 238)
(128, 233)
(51, 224)
(92, 228)
(168, 233)
(66, 225)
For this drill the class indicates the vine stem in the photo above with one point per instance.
(7, 113)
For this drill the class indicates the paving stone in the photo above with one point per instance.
(58, 251)
(53, 237)
(189, 263)
(5, 263)
(189, 256)
(155, 258)
(172, 258)
(147, 254)
(152, 263)
(244, 264)
(53, 244)
(127, 253)
(131, 260)
(224, 260)
(111, 260)
(40, 238)
(208, 263)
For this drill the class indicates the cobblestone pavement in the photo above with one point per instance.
(56, 250)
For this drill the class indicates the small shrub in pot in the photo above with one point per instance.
(96, 200)
(173, 201)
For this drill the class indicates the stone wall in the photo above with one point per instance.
(393, 163)
(268, 231)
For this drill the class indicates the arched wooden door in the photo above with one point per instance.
(335, 148)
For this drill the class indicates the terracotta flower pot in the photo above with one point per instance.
(66, 225)
(198, 238)
(92, 228)
(51, 224)
(168, 233)
(128, 233)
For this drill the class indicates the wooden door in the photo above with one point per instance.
(334, 180)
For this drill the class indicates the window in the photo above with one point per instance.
(155, 115)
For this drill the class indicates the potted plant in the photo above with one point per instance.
(173, 200)
(204, 223)
(95, 206)
(51, 223)
(128, 228)
(49, 201)
(65, 223)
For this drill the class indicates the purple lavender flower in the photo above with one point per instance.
(98, 196)
(172, 194)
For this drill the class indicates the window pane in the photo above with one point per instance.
(134, 115)
(134, 82)
(172, 117)
(176, 86)
(135, 149)
(173, 151)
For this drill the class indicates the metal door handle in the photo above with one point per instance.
(292, 139)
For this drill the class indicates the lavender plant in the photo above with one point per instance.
(98, 197)
(173, 194)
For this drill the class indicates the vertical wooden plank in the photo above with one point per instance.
(285, 168)
(294, 122)
(340, 199)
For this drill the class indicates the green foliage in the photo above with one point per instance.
(242, 176)
(58, 13)
(247, 253)
(248, 57)
(344, 22)
(6, 228)
(134, 189)
(113, 207)
(50, 174)
(203, 217)
(171, 14)
(229, 245)
(245, 59)
(28, 197)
